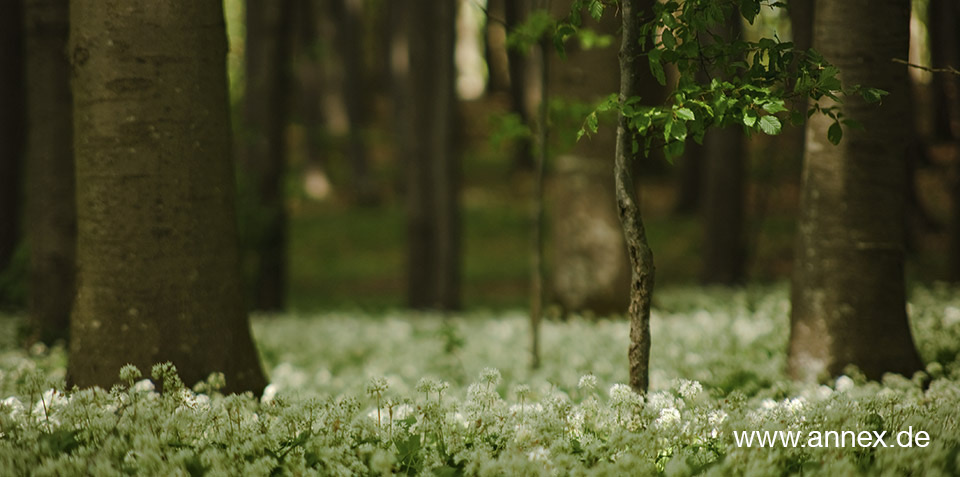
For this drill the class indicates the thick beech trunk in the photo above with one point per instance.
(158, 275)
(51, 222)
(848, 294)
(641, 257)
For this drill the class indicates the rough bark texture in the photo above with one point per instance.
(158, 274)
(12, 120)
(51, 223)
(262, 152)
(589, 266)
(432, 163)
(641, 257)
(848, 295)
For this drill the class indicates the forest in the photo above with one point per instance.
(480, 237)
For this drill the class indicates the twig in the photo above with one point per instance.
(947, 69)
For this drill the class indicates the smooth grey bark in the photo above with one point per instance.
(262, 151)
(848, 292)
(641, 257)
(433, 168)
(158, 262)
(589, 269)
(50, 222)
(12, 128)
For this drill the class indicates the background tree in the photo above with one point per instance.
(262, 152)
(723, 195)
(51, 226)
(157, 254)
(848, 293)
(431, 156)
(12, 129)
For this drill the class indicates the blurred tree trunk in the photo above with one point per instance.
(349, 39)
(589, 268)
(724, 196)
(722, 208)
(945, 52)
(641, 257)
(432, 163)
(848, 295)
(51, 222)
(262, 151)
(157, 249)
(495, 44)
(522, 69)
(307, 100)
(12, 131)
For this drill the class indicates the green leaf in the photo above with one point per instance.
(668, 39)
(686, 114)
(835, 133)
(872, 95)
(749, 118)
(770, 125)
(656, 68)
(775, 106)
(596, 9)
(673, 149)
(750, 9)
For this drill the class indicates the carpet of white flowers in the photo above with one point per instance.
(417, 394)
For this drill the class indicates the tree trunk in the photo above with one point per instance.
(158, 266)
(432, 164)
(521, 70)
(641, 257)
(349, 39)
(589, 267)
(945, 52)
(724, 195)
(262, 152)
(848, 294)
(51, 222)
(723, 201)
(12, 121)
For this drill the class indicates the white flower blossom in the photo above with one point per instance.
(669, 418)
(844, 384)
(538, 454)
(269, 393)
(689, 389)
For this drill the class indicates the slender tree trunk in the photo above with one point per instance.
(157, 251)
(641, 257)
(433, 166)
(848, 294)
(12, 131)
(262, 151)
(536, 247)
(51, 222)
